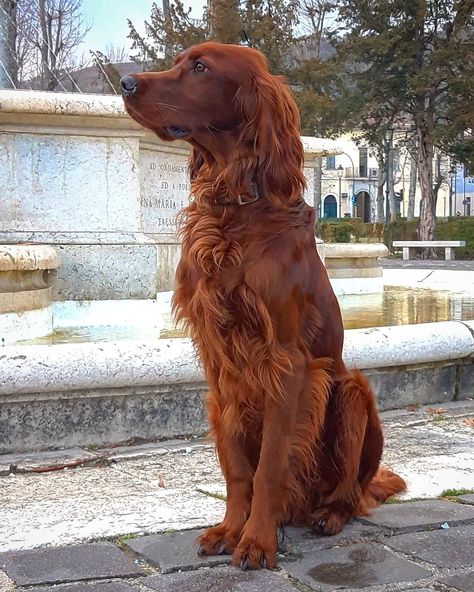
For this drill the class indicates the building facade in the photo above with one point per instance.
(349, 184)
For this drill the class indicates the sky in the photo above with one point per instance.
(108, 20)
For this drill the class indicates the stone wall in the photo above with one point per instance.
(76, 172)
(107, 393)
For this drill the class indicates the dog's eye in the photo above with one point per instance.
(200, 67)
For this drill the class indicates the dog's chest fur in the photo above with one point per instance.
(220, 296)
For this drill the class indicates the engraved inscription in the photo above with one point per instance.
(164, 190)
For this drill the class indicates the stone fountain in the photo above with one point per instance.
(27, 279)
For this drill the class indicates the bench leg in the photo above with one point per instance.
(406, 253)
(448, 253)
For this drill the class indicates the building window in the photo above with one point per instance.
(362, 162)
(331, 163)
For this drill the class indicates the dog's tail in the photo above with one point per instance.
(384, 484)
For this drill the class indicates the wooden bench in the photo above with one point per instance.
(448, 247)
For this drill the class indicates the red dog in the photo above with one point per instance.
(298, 435)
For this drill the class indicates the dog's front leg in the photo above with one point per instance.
(258, 544)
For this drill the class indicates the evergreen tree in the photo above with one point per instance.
(268, 25)
(410, 62)
(168, 32)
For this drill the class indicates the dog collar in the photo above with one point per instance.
(240, 201)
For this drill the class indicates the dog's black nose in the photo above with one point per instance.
(128, 85)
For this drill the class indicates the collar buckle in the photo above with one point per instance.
(256, 196)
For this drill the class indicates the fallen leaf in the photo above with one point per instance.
(469, 422)
(412, 408)
(161, 481)
(436, 411)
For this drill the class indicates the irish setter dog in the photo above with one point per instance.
(298, 435)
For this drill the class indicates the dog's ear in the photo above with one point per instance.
(271, 121)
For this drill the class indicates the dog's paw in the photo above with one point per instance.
(327, 521)
(216, 541)
(250, 554)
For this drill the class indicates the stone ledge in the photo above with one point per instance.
(355, 250)
(35, 368)
(28, 258)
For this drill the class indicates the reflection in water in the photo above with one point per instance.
(395, 306)
(405, 306)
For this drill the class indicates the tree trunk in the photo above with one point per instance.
(317, 185)
(167, 15)
(427, 222)
(412, 189)
(8, 57)
(380, 186)
(391, 186)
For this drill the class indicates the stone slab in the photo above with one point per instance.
(297, 541)
(116, 586)
(462, 582)
(354, 566)
(107, 272)
(220, 579)
(51, 565)
(467, 498)
(405, 345)
(432, 383)
(69, 183)
(102, 418)
(148, 495)
(466, 381)
(420, 515)
(449, 548)
(174, 552)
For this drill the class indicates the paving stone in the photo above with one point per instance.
(115, 586)
(355, 566)
(467, 498)
(51, 565)
(462, 582)
(220, 579)
(296, 541)
(451, 547)
(174, 551)
(411, 516)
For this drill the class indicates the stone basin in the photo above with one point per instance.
(355, 268)
(27, 279)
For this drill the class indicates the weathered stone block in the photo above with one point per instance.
(110, 416)
(52, 565)
(220, 579)
(431, 383)
(174, 552)
(450, 547)
(462, 582)
(354, 566)
(467, 498)
(419, 515)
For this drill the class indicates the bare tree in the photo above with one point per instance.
(62, 29)
(8, 62)
(315, 14)
(117, 53)
(47, 35)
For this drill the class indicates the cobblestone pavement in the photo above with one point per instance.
(83, 516)
(421, 545)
